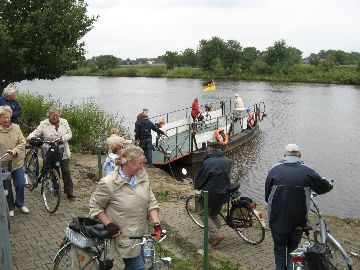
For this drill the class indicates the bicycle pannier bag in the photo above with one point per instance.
(316, 257)
(53, 155)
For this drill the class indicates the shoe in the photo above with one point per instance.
(11, 213)
(151, 166)
(24, 210)
(214, 242)
(70, 196)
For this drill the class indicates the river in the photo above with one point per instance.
(322, 119)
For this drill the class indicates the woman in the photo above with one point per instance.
(195, 109)
(50, 129)
(114, 153)
(9, 99)
(123, 201)
(11, 138)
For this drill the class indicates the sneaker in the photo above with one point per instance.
(70, 196)
(24, 210)
(214, 242)
(11, 213)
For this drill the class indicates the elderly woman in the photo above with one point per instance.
(11, 138)
(50, 129)
(9, 99)
(123, 201)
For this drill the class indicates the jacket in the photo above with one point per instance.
(287, 192)
(125, 207)
(238, 103)
(144, 130)
(15, 107)
(195, 109)
(214, 176)
(47, 131)
(11, 138)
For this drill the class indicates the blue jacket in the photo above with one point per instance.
(214, 176)
(15, 107)
(287, 192)
(144, 130)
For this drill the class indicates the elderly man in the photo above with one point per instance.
(239, 104)
(9, 99)
(287, 192)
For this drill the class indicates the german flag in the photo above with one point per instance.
(209, 86)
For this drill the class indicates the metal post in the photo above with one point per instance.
(5, 250)
(206, 236)
(99, 161)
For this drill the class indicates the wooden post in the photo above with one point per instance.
(99, 162)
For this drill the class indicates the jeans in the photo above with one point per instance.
(136, 263)
(284, 244)
(19, 184)
(146, 145)
(66, 176)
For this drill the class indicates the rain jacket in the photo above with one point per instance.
(126, 207)
(15, 107)
(195, 109)
(144, 130)
(287, 192)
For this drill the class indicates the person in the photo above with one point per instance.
(115, 139)
(50, 129)
(287, 192)
(195, 109)
(214, 176)
(115, 151)
(143, 135)
(238, 103)
(11, 138)
(124, 201)
(9, 99)
(140, 117)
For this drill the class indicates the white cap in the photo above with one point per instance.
(291, 147)
(236, 95)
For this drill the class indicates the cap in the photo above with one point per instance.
(236, 95)
(146, 110)
(215, 145)
(291, 148)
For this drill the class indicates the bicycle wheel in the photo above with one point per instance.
(247, 225)
(72, 257)
(193, 207)
(31, 166)
(51, 190)
(336, 260)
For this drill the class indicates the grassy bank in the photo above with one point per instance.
(298, 73)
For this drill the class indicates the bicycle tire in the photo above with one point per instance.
(336, 260)
(31, 166)
(66, 260)
(50, 190)
(247, 225)
(192, 208)
(7, 215)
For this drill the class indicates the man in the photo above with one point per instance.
(239, 104)
(143, 134)
(287, 192)
(214, 176)
(139, 117)
(9, 99)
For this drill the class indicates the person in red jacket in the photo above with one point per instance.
(195, 109)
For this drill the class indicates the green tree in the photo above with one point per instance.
(189, 58)
(171, 59)
(106, 61)
(248, 56)
(210, 50)
(41, 39)
(232, 54)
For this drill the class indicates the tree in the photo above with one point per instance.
(189, 58)
(41, 39)
(171, 59)
(209, 51)
(248, 56)
(232, 54)
(106, 61)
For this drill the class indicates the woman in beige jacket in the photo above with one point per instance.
(123, 201)
(11, 138)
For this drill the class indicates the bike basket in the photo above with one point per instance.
(244, 202)
(36, 142)
(78, 224)
(315, 257)
(53, 155)
(78, 239)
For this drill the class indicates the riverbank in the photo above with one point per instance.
(35, 237)
(302, 73)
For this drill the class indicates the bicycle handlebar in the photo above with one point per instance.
(8, 152)
(150, 237)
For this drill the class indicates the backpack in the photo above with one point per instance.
(53, 155)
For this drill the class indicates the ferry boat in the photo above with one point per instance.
(186, 141)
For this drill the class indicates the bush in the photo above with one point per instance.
(89, 123)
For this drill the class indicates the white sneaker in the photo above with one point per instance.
(11, 213)
(24, 210)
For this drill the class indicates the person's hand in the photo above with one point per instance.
(136, 142)
(28, 138)
(157, 230)
(13, 152)
(113, 229)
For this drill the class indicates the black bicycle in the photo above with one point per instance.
(48, 176)
(6, 176)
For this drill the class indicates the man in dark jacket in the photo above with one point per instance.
(9, 99)
(214, 176)
(143, 134)
(287, 192)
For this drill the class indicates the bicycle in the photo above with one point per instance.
(48, 176)
(149, 244)
(6, 176)
(84, 248)
(239, 213)
(335, 255)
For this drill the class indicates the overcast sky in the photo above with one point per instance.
(149, 28)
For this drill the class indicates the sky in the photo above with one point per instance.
(148, 28)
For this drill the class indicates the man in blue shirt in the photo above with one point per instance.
(9, 99)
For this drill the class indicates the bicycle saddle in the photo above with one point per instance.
(233, 187)
(304, 228)
(98, 231)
